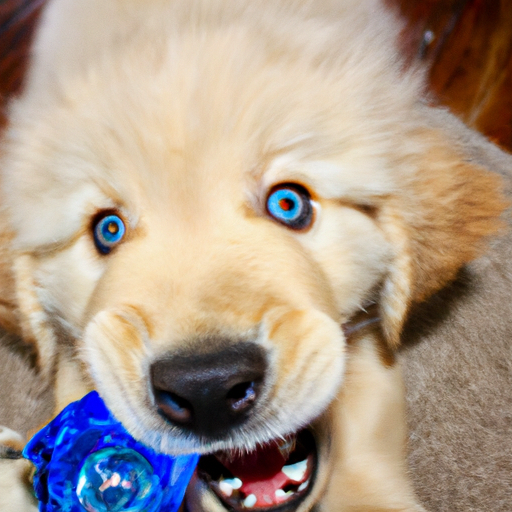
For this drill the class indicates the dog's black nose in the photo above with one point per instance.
(208, 393)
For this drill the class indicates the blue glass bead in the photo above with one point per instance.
(87, 462)
(116, 480)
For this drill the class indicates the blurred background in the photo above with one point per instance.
(466, 45)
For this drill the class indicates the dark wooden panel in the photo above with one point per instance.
(467, 45)
(17, 22)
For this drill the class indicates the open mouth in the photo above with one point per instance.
(274, 476)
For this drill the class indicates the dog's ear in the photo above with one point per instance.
(9, 312)
(437, 221)
(34, 325)
(20, 309)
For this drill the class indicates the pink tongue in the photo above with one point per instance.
(261, 474)
(263, 463)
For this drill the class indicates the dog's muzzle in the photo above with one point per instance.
(211, 394)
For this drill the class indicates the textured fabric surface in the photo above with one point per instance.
(458, 371)
(25, 402)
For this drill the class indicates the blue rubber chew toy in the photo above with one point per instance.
(87, 462)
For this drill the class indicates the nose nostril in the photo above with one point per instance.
(242, 396)
(209, 393)
(174, 407)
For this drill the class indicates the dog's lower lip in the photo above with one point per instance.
(270, 478)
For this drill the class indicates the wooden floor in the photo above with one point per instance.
(466, 44)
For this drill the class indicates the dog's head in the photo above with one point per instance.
(201, 196)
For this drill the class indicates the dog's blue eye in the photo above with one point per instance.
(290, 205)
(108, 232)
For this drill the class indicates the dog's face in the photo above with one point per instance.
(201, 214)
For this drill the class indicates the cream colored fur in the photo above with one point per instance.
(181, 115)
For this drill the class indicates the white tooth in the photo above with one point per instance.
(296, 471)
(226, 489)
(280, 493)
(250, 501)
(235, 483)
(303, 485)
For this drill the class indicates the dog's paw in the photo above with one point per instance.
(15, 489)
(15, 472)
(10, 441)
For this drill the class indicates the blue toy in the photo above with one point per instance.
(87, 462)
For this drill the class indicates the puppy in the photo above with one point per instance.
(218, 214)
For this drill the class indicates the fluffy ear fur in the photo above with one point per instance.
(35, 327)
(437, 222)
(9, 314)
(20, 310)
